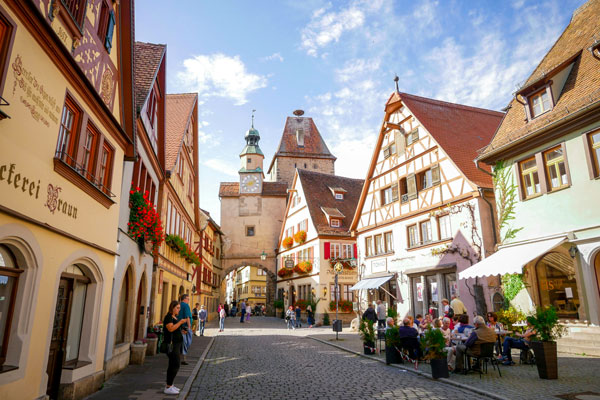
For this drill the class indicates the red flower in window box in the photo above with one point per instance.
(303, 267)
(300, 237)
(285, 272)
(287, 242)
(144, 223)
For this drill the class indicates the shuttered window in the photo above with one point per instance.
(411, 186)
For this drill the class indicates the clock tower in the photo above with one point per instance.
(251, 171)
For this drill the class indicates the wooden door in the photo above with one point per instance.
(139, 312)
(56, 353)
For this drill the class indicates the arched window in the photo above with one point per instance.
(9, 280)
(556, 284)
(497, 302)
(122, 310)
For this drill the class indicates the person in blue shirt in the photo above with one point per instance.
(186, 329)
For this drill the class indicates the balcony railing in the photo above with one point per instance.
(85, 174)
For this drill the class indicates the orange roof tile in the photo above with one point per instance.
(179, 113)
(460, 130)
(581, 89)
(147, 59)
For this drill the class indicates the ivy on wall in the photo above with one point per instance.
(506, 198)
(512, 284)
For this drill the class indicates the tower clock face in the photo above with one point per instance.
(250, 184)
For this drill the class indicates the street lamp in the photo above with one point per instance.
(337, 268)
(263, 256)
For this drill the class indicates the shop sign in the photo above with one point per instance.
(379, 265)
(434, 291)
(346, 274)
(289, 264)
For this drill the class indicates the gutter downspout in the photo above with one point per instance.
(492, 213)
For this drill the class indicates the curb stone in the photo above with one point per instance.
(188, 383)
(417, 372)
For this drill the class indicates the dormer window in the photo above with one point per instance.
(540, 103)
(339, 196)
(335, 223)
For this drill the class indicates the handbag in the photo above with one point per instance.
(166, 348)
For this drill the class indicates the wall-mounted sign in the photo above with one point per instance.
(289, 264)
(419, 291)
(434, 291)
(379, 265)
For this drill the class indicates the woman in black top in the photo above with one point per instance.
(172, 334)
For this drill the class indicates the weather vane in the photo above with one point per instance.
(253, 111)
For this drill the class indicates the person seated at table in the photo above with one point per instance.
(425, 322)
(513, 343)
(445, 328)
(417, 321)
(406, 330)
(463, 323)
(472, 347)
(389, 323)
(493, 321)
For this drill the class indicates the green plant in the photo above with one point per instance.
(326, 321)
(506, 198)
(301, 303)
(545, 323)
(392, 336)
(512, 284)
(313, 301)
(344, 305)
(510, 316)
(366, 331)
(391, 312)
(278, 303)
(179, 245)
(433, 344)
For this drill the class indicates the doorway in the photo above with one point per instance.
(139, 309)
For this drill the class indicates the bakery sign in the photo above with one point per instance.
(34, 188)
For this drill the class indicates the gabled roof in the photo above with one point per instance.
(179, 115)
(581, 89)
(147, 60)
(319, 198)
(333, 212)
(314, 145)
(232, 189)
(460, 130)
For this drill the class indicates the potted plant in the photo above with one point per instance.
(392, 346)
(367, 334)
(433, 346)
(152, 340)
(287, 242)
(547, 328)
(278, 305)
(300, 237)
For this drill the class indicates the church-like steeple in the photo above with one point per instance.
(251, 158)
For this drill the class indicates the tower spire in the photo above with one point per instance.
(396, 79)
(253, 111)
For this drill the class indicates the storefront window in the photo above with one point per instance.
(556, 284)
(9, 277)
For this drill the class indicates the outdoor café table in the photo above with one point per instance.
(500, 333)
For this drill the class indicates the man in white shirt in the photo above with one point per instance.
(458, 306)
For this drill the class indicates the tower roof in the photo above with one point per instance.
(313, 146)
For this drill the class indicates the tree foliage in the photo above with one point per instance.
(506, 198)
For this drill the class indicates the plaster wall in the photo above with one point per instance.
(284, 168)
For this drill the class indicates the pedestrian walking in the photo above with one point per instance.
(186, 329)
(222, 315)
(173, 338)
(298, 313)
(195, 319)
(243, 311)
(310, 316)
(226, 307)
(381, 314)
(370, 314)
(248, 312)
(290, 318)
(202, 317)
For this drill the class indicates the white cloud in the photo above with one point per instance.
(274, 56)
(218, 75)
(353, 69)
(221, 166)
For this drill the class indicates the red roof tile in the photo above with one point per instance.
(460, 131)
(232, 189)
(147, 59)
(315, 186)
(179, 113)
(314, 145)
(581, 89)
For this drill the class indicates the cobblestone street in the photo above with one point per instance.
(262, 360)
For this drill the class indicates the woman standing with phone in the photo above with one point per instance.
(173, 341)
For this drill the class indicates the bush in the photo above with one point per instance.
(278, 303)
(391, 312)
(433, 343)
(366, 331)
(326, 321)
(510, 316)
(392, 336)
(545, 323)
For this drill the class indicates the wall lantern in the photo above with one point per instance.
(263, 256)
(573, 251)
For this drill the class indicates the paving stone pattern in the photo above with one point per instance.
(262, 360)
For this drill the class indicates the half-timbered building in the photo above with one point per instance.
(314, 237)
(67, 122)
(425, 211)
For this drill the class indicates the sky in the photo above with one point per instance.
(336, 60)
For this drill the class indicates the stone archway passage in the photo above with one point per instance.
(271, 283)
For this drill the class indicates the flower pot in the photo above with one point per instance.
(546, 359)
(392, 356)
(439, 368)
(152, 346)
(369, 347)
(138, 353)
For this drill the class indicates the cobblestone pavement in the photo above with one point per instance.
(262, 360)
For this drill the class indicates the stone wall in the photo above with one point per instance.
(285, 167)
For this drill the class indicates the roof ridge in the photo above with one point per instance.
(449, 104)
(304, 172)
(183, 94)
(151, 44)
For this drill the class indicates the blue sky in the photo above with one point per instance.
(336, 60)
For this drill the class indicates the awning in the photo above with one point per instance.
(371, 283)
(510, 259)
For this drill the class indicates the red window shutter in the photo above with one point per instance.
(326, 249)
(355, 253)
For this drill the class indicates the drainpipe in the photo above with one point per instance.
(492, 213)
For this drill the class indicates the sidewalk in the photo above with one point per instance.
(576, 374)
(147, 381)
